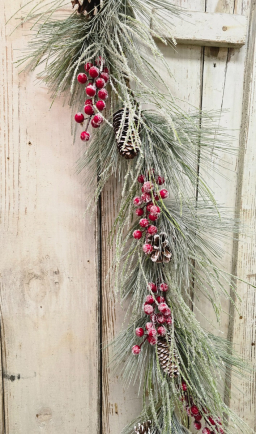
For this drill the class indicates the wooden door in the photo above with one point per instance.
(55, 305)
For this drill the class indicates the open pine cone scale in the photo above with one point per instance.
(87, 7)
(143, 428)
(161, 248)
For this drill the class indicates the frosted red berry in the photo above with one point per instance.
(103, 94)
(90, 90)
(161, 319)
(88, 101)
(137, 234)
(160, 180)
(148, 309)
(139, 332)
(160, 299)
(149, 325)
(156, 197)
(79, 117)
(139, 212)
(94, 125)
(100, 105)
(198, 417)
(161, 331)
(88, 109)
(164, 193)
(152, 286)
(94, 72)
(212, 422)
(153, 217)
(152, 332)
(100, 83)
(152, 230)
(148, 187)
(105, 76)
(197, 425)
(88, 65)
(105, 69)
(147, 248)
(85, 136)
(194, 410)
(98, 119)
(146, 197)
(150, 299)
(144, 223)
(155, 210)
(137, 201)
(206, 431)
(141, 179)
(162, 307)
(163, 287)
(168, 320)
(152, 340)
(82, 78)
(136, 350)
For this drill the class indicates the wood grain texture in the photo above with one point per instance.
(48, 293)
(210, 29)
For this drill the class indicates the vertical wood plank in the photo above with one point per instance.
(48, 294)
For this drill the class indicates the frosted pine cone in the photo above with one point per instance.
(87, 7)
(143, 428)
(125, 137)
(168, 357)
(161, 248)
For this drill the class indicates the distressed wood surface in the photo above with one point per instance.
(48, 293)
(210, 29)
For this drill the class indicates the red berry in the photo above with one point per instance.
(100, 105)
(105, 76)
(152, 286)
(197, 425)
(147, 248)
(144, 223)
(99, 61)
(163, 287)
(212, 422)
(100, 83)
(90, 90)
(160, 180)
(206, 431)
(161, 319)
(156, 197)
(184, 387)
(163, 193)
(88, 101)
(139, 212)
(137, 201)
(98, 119)
(139, 332)
(137, 234)
(150, 299)
(88, 109)
(136, 350)
(152, 230)
(94, 72)
(161, 331)
(160, 299)
(148, 187)
(152, 340)
(146, 197)
(103, 94)
(168, 320)
(198, 417)
(105, 69)
(152, 332)
(148, 207)
(162, 307)
(141, 179)
(85, 136)
(194, 410)
(94, 125)
(155, 210)
(88, 65)
(149, 325)
(148, 309)
(82, 78)
(152, 217)
(79, 117)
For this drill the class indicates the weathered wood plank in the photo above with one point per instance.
(48, 260)
(210, 29)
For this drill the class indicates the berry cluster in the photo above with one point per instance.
(146, 207)
(193, 411)
(156, 307)
(95, 90)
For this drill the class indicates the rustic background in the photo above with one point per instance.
(54, 305)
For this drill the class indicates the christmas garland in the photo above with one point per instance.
(168, 228)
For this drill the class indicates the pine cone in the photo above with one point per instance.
(143, 428)
(87, 7)
(161, 248)
(127, 147)
(169, 362)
